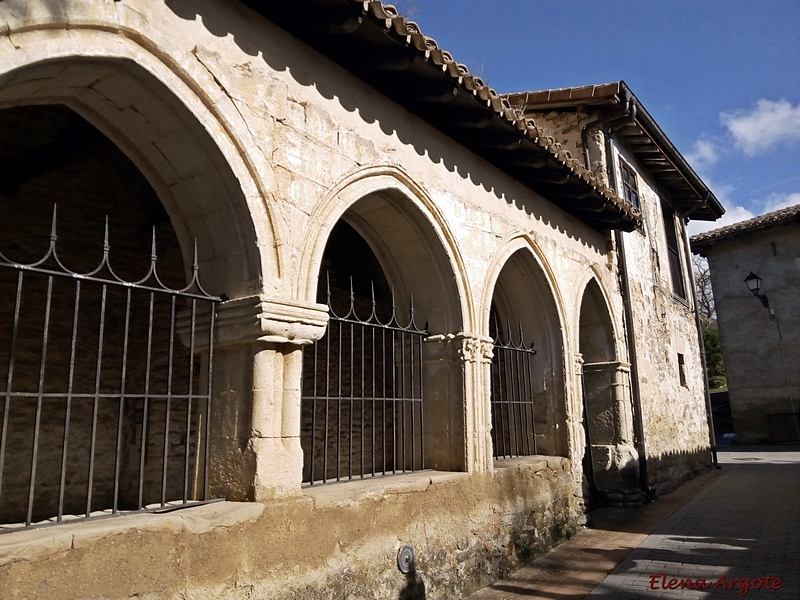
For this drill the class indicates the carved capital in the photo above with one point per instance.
(263, 319)
(467, 347)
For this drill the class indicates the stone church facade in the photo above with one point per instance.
(294, 289)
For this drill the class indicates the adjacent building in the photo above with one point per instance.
(286, 289)
(759, 323)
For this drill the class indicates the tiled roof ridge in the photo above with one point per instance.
(581, 92)
(771, 218)
(397, 25)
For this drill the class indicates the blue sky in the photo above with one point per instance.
(721, 77)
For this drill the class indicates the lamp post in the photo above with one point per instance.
(753, 283)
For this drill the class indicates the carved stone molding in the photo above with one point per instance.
(263, 319)
(468, 347)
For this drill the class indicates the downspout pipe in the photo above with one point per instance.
(638, 424)
(712, 437)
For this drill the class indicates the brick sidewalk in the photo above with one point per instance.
(741, 522)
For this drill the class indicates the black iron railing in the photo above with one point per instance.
(512, 400)
(107, 391)
(362, 396)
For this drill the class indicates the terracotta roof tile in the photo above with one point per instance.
(590, 199)
(398, 25)
(784, 215)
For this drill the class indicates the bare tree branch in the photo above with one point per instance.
(705, 296)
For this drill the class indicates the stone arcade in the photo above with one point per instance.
(410, 281)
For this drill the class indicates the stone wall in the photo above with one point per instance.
(759, 388)
(467, 531)
(674, 415)
(256, 147)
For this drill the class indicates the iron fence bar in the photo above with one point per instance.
(411, 382)
(10, 378)
(96, 400)
(168, 401)
(518, 406)
(526, 404)
(383, 404)
(89, 395)
(121, 416)
(359, 362)
(339, 404)
(363, 370)
(512, 416)
(532, 405)
(145, 403)
(509, 399)
(394, 402)
(421, 412)
(187, 444)
(352, 406)
(493, 399)
(372, 346)
(67, 412)
(85, 277)
(402, 395)
(51, 267)
(327, 407)
(512, 398)
(313, 413)
(39, 400)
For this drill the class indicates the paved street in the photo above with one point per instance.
(732, 533)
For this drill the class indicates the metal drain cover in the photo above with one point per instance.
(405, 559)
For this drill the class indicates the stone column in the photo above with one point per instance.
(575, 418)
(475, 353)
(256, 453)
(622, 400)
(458, 410)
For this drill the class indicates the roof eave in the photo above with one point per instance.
(371, 41)
(644, 136)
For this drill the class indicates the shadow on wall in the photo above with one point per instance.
(617, 473)
(278, 58)
(667, 471)
(414, 588)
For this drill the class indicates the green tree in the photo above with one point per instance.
(708, 318)
(714, 364)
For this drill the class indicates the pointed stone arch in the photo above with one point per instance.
(606, 390)
(188, 146)
(524, 296)
(416, 256)
(162, 121)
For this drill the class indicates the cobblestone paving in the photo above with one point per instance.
(738, 536)
(741, 523)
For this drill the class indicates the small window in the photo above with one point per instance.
(682, 370)
(630, 188)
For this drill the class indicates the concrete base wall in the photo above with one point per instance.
(330, 542)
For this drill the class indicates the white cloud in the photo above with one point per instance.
(705, 154)
(778, 201)
(767, 125)
(733, 212)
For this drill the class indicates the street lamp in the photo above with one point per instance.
(753, 282)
